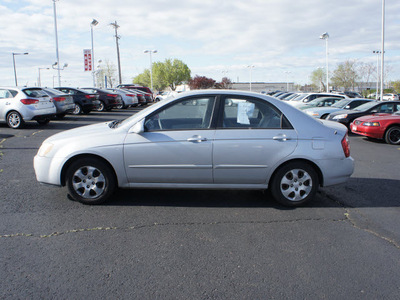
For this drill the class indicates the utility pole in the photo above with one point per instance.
(116, 26)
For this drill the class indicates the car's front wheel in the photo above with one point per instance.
(14, 120)
(392, 135)
(90, 181)
(294, 184)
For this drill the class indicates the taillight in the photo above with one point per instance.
(29, 101)
(112, 95)
(130, 95)
(59, 99)
(346, 146)
(89, 96)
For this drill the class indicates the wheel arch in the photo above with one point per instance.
(82, 156)
(312, 164)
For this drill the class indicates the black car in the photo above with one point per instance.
(347, 116)
(107, 99)
(84, 102)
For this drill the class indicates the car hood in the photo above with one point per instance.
(377, 117)
(82, 132)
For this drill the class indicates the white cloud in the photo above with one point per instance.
(210, 36)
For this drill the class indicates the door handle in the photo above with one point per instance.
(282, 138)
(196, 139)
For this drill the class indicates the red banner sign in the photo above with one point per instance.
(87, 58)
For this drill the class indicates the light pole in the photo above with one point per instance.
(382, 48)
(251, 67)
(377, 52)
(55, 67)
(287, 80)
(55, 29)
(116, 26)
(15, 71)
(151, 66)
(325, 36)
(92, 24)
(39, 83)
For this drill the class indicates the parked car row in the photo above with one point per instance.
(367, 117)
(21, 104)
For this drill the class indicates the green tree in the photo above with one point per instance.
(168, 73)
(345, 75)
(318, 76)
(396, 86)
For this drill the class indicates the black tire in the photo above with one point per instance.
(121, 106)
(392, 135)
(60, 116)
(294, 184)
(14, 120)
(101, 106)
(90, 181)
(43, 121)
(77, 109)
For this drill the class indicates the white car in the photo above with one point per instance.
(128, 99)
(18, 105)
(390, 97)
(307, 97)
(259, 143)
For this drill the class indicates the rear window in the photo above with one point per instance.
(35, 93)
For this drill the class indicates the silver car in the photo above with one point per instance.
(18, 105)
(128, 99)
(323, 112)
(259, 143)
(63, 102)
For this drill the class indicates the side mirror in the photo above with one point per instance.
(138, 128)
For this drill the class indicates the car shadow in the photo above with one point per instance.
(356, 193)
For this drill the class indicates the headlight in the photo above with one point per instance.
(312, 113)
(371, 124)
(45, 149)
(338, 117)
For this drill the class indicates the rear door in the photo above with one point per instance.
(251, 137)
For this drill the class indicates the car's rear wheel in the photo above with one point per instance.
(294, 184)
(101, 106)
(121, 106)
(90, 181)
(392, 135)
(77, 109)
(14, 120)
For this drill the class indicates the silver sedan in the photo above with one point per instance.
(199, 140)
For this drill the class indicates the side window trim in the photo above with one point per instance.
(284, 122)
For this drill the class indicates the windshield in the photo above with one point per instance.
(365, 106)
(341, 103)
(299, 97)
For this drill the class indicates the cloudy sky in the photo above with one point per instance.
(214, 38)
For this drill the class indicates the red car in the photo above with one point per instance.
(379, 126)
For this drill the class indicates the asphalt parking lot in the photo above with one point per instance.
(167, 244)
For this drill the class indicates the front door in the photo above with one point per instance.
(176, 146)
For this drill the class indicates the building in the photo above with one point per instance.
(267, 87)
